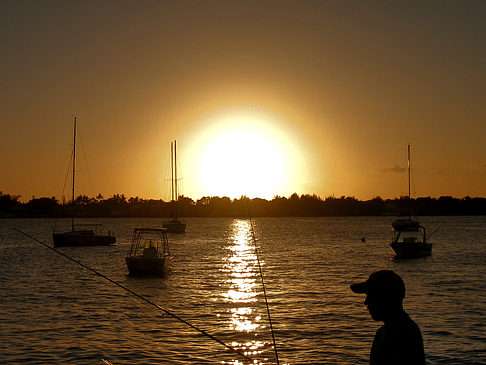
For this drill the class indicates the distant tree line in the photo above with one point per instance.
(295, 205)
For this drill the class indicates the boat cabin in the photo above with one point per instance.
(409, 231)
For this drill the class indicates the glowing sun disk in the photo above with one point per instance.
(245, 155)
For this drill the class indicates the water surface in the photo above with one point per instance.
(52, 311)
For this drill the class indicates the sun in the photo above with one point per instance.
(245, 154)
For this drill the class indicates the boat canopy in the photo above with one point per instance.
(148, 240)
(406, 225)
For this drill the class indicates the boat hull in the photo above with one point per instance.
(140, 266)
(175, 226)
(82, 238)
(410, 250)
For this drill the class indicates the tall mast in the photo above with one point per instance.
(409, 197)
(175, 175)
(74, 172)
(172, 170)
(175, 171)
(408, 171)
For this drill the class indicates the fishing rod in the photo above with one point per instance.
(263, 286)
(203, 332)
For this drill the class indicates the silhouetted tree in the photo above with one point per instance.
(8, 203)
(43, 207)
(304, 205)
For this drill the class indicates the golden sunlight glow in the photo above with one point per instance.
(244, 153)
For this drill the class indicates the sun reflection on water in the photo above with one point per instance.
(241, 265)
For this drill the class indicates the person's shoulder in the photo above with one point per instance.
(409, 331)
(380, 331)
(408, 322)
(403, 326)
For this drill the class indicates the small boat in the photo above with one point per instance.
(174, 225)
(149, 253)
(81, 234)
(409, 237)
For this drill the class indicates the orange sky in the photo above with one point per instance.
(342, 87)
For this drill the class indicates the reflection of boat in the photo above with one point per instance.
(174, 224)
(149, 253)
(86, 234)
(409, 237)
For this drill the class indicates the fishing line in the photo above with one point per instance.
(263, 285)
(203, 332)
(434, 232)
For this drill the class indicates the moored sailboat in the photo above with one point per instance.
(81, 234)
(409, 236)
(174, 225)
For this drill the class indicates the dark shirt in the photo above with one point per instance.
(398, 342)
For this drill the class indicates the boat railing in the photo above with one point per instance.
(95, 226)
(149, 242)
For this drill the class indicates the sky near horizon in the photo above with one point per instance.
(264, 98)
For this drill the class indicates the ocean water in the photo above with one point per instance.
(53, 311)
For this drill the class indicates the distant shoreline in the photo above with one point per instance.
(293, 206)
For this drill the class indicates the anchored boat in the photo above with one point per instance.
(174, 225)
(149, 253)
(78, 236)
(409, 237)
(81, 234)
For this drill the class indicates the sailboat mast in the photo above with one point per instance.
(176, 213)
(409, 196)
(408, 171)
(175, 170)
(74, 172)
(172, 170)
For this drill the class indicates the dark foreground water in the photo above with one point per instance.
(52, 311)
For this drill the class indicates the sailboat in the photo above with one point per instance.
(174, 225)
(409, 236)
(81, 234)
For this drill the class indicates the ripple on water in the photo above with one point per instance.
(54, 312)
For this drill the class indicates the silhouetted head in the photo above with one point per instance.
(384, 291)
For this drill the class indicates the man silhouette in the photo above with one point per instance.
(399, 340)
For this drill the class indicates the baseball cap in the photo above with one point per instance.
(383, 283)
